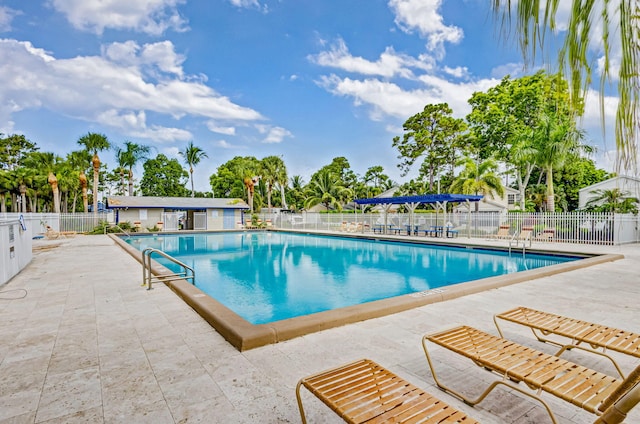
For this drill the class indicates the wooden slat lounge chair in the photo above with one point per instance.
(503, 233)
(581, 334)
(588, 389)
(365, 392)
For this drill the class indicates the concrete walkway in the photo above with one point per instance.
(81, 341)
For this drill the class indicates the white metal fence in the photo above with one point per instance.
(37, 223)
(573, 227)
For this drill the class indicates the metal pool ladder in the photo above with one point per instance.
(147, 277)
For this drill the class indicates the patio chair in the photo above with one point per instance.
(365, 392)
(51, 234)
(582, 335)
(590, 390)
(503, 232)
(525, 234)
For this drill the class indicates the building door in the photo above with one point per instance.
(229, 219)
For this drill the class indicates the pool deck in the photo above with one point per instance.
(88, 344)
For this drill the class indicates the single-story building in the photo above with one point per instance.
(178, 213)
(508, 202)
(627, 184)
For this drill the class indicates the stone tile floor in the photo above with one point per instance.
(88, 344)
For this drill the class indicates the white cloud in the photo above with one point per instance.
(513, 69)
(390, 63)
(223, 144)
(273, 134)
(152, 17)
(424, 16)
(6, 17)
(135, 125)
(114, 90)
(154, 58)
(214, 127)
(389, 99)
(249, 4)
(245, 3)
(458, 71)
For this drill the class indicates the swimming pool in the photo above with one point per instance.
(272, 276)
(244, 335)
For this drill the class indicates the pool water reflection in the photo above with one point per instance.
(271, 276)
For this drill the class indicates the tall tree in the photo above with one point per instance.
(341, 170)
(5, 188)
(237, 178)
(192, 156)
(478, 177)
(163, 177)
(129, 157)
(326, 189)
(296, 193)
(555, 140)
(45, 166)
(429, 134)
(612, 17)
(94, 143)
(274, 172)
(503, 120)
(79, 160)
(13, 149)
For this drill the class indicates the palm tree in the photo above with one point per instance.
(78, 160)
(326, 189)
(94, 143)
(555, 141)
(192, 156)
(23, 177)
(531, 24)
(536, 196)
(274, 172)
(613, 200)
(5, 187)
(296, 192)
(478, 178)
(130, 156)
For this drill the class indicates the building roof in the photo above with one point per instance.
(633, 181)
(425, 198)
(148, 202)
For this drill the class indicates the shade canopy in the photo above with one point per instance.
(424, 198)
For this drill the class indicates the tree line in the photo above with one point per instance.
(521, 133)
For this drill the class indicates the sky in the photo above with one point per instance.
(306, 80)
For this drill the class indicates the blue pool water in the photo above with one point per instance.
(270, 276)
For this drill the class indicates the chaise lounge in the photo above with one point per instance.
(590, 390)
(365, 392)
(581, 334)
(503, 233)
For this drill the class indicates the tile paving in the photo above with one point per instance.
(88, 344)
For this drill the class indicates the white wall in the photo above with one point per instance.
(15, 248)
(630, 185)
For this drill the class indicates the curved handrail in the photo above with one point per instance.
(119, 227)
(147, 278)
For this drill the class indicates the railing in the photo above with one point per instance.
(148, 278)
(73, 222)
(119, 228)
(569, 227)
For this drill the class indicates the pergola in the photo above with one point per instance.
(412, 202)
